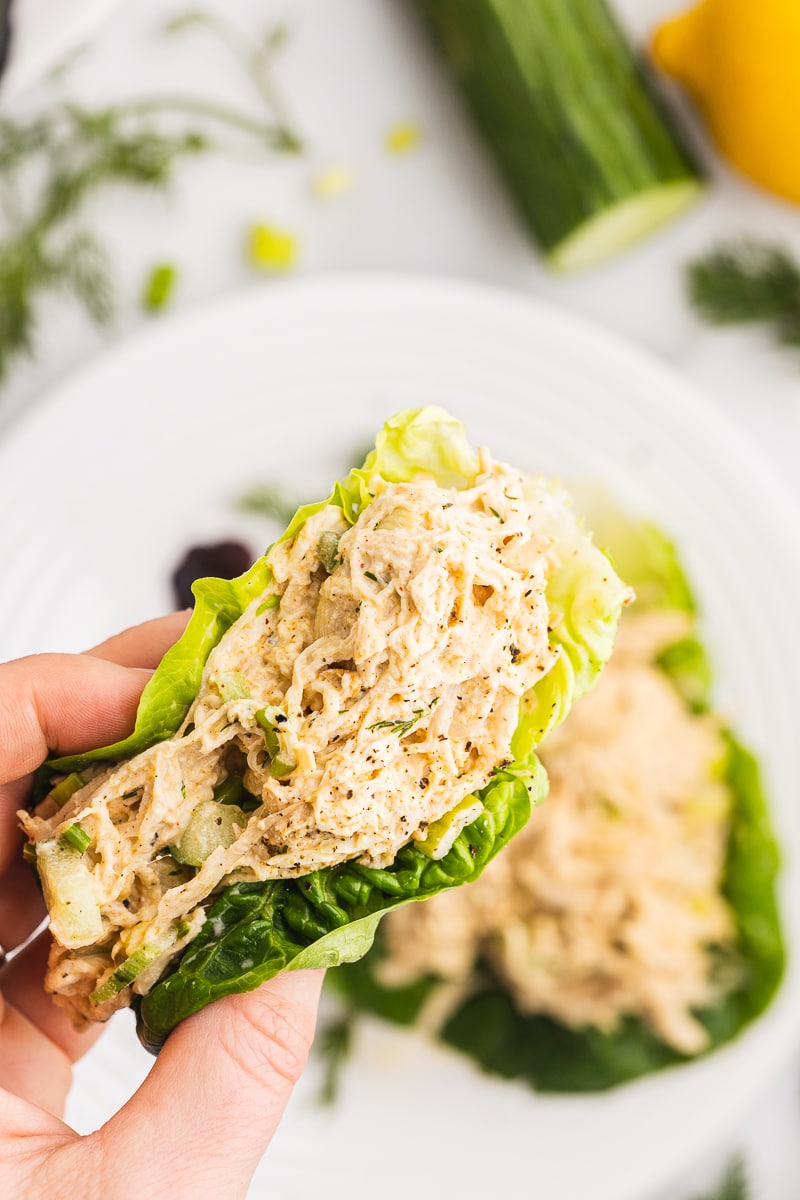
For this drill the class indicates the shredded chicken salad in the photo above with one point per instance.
(373, 686)
(608, 904)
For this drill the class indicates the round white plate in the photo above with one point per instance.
(106, 483)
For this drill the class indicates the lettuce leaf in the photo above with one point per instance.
(539, 1050)
(253, 931)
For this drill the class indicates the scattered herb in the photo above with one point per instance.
(159, 287)
(400, 727)
(268, 500)
(748, 282)
(495, 513)
(371, 575)
(734, 1185)
(256, 55)
(334, 1046)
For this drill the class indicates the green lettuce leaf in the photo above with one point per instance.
(329, 917)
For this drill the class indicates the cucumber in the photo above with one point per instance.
(572, 119)
(69, 894)
(211, 825)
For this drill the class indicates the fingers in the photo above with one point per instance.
(22, 982)
(143, 645)
(21, 904)
(31, 1067)
(62, 703)
(217, 1092)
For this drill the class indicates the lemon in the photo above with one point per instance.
(740, 60)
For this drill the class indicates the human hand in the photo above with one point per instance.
(203, 1117)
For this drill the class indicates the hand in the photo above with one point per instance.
(203, 1117)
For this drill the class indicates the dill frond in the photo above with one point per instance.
(748, 282)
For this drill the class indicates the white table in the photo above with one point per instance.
(352, 68)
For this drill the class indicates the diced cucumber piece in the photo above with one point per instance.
(211, 825)
(68, 893)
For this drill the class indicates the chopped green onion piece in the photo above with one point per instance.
(371, 575)
(230, 791)
(233, 686)
(77, 838)
(280, 769)
(29, 852)
(272, 601)
(332, 182)
(159, 287)
(270, 734)
(66, 788)
(271, 249)
(125, 974)
(403, 138)
(328, 550)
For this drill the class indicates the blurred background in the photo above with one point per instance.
(153, 158)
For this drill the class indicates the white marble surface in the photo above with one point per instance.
(351, 69)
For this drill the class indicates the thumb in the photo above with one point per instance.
(209, 1107)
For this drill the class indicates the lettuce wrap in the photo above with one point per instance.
(242, 930)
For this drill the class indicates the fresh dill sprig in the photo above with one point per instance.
(57, 159)
(733, 1185)
(334, 1045)
(748, 282)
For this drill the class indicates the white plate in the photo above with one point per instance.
(105, 484)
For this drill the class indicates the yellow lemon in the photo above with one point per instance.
(740, 60)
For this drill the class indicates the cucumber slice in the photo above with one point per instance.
(574, 123)
(69, 894)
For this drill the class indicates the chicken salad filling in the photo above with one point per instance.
(374, 685)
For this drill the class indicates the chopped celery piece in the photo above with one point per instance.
(159, 286)
(333, 182)
(271, 249)
(77, 837)
(29, 852)
(69, 893)
(233, 686)
(328, 550)
(67, 788)
(403, 138)
(127, 972)
(211, 825)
